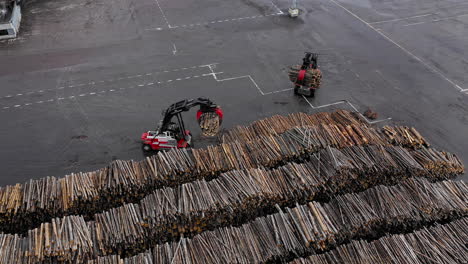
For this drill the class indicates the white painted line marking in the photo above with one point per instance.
(39, 102)
(6, 107)
(150, 83)
(169, 81)
(141, 85)
(164, 15)
(17, 105)
(400, 47)
(50, 100)
(275, 6)
(28, 104)
(60, 98)
(109, 80)
(82, 94)
(435, 20)
(174, 51)
(412, 24)
(322, 106)
(71, 97)
(92, 93)
(400, 19)
(365, 118)
(111, 90)
(280, 91)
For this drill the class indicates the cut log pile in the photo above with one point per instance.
(25, 206)
(404, 136)
(262, 179)
(278, 124)
(439, 244)
(315, 228)
(310, 228)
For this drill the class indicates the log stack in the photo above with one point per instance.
(303, 229)
(276, 181)
(25, 206)
(316, 228)
(438, 244)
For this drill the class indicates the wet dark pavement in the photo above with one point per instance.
(84, 80)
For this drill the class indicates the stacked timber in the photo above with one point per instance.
(404, 136)
(303, 229)
(312, 78)
(337, 154)
(315, 227)
(24, 206)
(278, 124)
(64, 239)
(438, 244)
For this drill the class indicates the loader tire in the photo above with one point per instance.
(146, 147)
(296, 90)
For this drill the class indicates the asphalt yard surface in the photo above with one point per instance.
(85, 79)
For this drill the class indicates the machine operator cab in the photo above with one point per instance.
(10, 18)
(153, 140)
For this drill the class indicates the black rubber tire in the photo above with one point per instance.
(296, 90)
(312, 93)
(146, 147)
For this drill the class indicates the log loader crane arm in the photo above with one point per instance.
(170, 135)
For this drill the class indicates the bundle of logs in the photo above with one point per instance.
(303, 229)
(24, 206)
(438, 244)
(312, 78)
(315, 228)
(279, 124)
(209, 123)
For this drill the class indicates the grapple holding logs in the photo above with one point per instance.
(210, 122)
(306, 77)
(312, 77)
(170, 135)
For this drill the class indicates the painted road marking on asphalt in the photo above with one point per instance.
(348, 103)
(435, 20)
(277, 8)
(163, 14)
(215, 21)
(429, 67)
(107, 80)
(214, 74)
(401, 19)
(110, 90)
